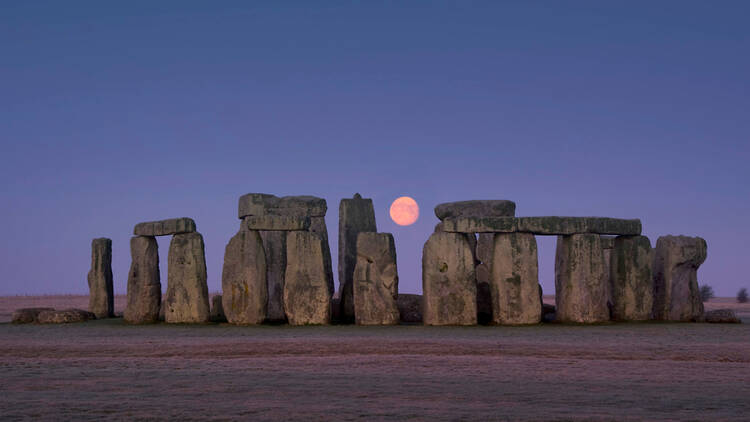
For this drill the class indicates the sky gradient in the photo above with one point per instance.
(117, 113)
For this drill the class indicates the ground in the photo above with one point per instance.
(105, 369)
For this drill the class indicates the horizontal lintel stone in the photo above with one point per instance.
(165, 227)
(476, 208)
(276, 222)
(291, 206)
(544, 225)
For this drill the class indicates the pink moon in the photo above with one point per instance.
(404, 211)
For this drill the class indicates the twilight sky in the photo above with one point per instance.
(116, 113)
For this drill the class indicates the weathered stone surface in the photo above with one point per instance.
(64, 316)
(144, 287)
(376, 280)
(276, 222)
(274, 244)
(165, 227)
(243, 279)
(722, 316)
(101, 293)
(675, 267)
(484, 251)
(631, 278)
(187, 289)
(409, 308)
(217, 309)
(543, 225)
(608, 242)
(580, 279)
(27, 315)
(356, 215)
(515, 281)
(307, 295)
(448, 281)
(292, 206)
(318, 225)
(478, 208)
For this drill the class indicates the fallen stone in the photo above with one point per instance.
(101, 293)
(276, 222)
(187, 289)
(144, 286)
(631, 278)
(722, 316)
(409, 308)
(478, 208)
(580, 279)
(356, 215)
(243, 279)
(165, 227)
(292, 206)
(543, 225)
(448, 281)
(318, 226)
(274, 244)
(376, 280)
(307, 297)
(515, 281)
(27, 315)
(64, 316)
(217, 309)
(676, 293)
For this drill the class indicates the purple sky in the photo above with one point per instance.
(116, 113)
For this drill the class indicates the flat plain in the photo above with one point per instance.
(106, 369)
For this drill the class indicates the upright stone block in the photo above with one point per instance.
(580, 279)
(144, 286)
(376, 280)
(101, 293)
(356, 215)
(318, 226)
(676, 293)
(307, 297)
(187, 288)
(516, 296)
(243, 279)
(274, 244)
(484, 251)
(448, 280)
(631, 278)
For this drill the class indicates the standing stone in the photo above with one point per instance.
(516, 296)
(376, 280)
(484, 250)
(608, 243)
(101, 293)
(144, 287)
(274, 245)
(187, 288)
(217, 309)
(580, 279)
(307, 296)
(632, 281)
(676, 293)
(318, 226)
(448, 280)
(356, 215)
(243, 279)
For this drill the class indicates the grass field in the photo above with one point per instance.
(105, 369)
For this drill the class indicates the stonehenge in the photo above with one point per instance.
(356, 215)
(144, 286)
(580, 279)
(675, 265)
(375, 284)
(448, 280)
(101, 290)
(307, 293)
(187, 288)
(243, 279)
(631, 279)
(514, 283)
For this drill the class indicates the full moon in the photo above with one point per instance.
(404, 211)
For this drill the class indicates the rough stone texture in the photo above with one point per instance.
(256, 204)
(356, 215)
(64, 316)
(632, 282)
(274, 244)
(478, 208)
(276, 222)
(580, 279)
(409, 308)
(187, 290)
(27, 315)
(376, 280)
(307, 295)
(448, 281)
(725, 316)
(543, 225)
(217, 309)
(243, 279)
(484, 246)
(675, 267)
(101, 292)
(515, 281)
(165, 227)
(144, 287)
(291, 206)
(318, 226)
(608, 242)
